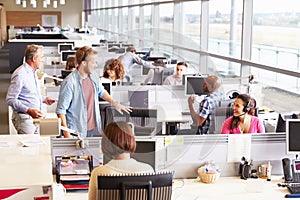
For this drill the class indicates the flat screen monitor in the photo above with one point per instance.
(281, 121)
(138, 98)
(293, 136)
(193, 85)
(65, 55)
(113, 47)
(64, 47)
(107, 86)
(185, 75)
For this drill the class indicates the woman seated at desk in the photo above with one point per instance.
(114, 71)
(117, 144)
(243, 119)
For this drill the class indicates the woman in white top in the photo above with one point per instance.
(176, 79)
(118, 143)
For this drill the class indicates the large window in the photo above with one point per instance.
(225, 17)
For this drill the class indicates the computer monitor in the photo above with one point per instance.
(113, 47)
(193, 85)
(108, 87)
(65, 73)
(281, 121)
(293, 136)
(185, 75)
(64, 47)
(138, 98)
(65, 55)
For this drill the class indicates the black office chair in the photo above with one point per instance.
(144, 119)
(154, 186)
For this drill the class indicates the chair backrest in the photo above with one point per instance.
(220, 115)
(143, 119)
(153, 186)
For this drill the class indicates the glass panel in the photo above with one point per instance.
(225, 27)
(224, 68)
(276, 33)
(124, 2)
(136, 17)
(125, 20)
(191, 20)
(166, 16)
(147, 16)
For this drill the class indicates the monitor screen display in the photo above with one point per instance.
(64, 47)
(106, 86)
(145, 152)
(193, 85)
(293, 136)
(138, 99)
(65, 55)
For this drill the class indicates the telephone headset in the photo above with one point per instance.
(246, 107)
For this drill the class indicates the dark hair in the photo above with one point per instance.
(118, 138)
(250, 105)
(116, 65)
(71, 63)
(82, 53)
(182, 63)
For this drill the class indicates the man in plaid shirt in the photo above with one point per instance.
(207, 106)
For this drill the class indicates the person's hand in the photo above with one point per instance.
(120, 108)
(191, 100)
(34, 113)
(49, 100)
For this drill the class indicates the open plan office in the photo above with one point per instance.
(250, 45)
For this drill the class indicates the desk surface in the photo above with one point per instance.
(25, 166)
(228, 188)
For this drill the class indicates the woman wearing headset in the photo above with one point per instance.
(243, 119)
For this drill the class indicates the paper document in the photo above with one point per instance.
(239, 145)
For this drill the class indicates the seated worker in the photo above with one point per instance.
(129, 59)
(176, 79)
(71, 64)
(207, 105)
(243, 119)
(154, 76)
(117, 144)
(114, 70)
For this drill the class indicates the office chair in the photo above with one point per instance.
(144, 119)
(220, 115)
(153, 186)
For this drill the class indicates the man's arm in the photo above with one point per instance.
(119, 107)
(64, 123)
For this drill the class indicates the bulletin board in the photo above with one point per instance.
(30, 18)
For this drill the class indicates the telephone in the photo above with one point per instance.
(291, 170)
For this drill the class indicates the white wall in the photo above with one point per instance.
(71, 11)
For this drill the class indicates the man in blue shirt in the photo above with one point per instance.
(78, 105)
(207, 105)
(24, 92)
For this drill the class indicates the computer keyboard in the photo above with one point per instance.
(294, 188)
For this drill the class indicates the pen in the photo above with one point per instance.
(292, 196)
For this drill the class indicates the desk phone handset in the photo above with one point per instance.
(291, 170)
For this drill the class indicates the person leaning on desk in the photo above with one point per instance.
(207, 106)
(77, 104)
(243, 119)
(24, 92)
(129, 59)
(117, 144)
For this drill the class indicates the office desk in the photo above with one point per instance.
(25, 166)
(228, 188)
(232, 188)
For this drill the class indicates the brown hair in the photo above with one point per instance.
(83, 52)
(249, 103)
(182, 63)
(31, 51)
(71, 63)
(118, 138)
(212, 83)
(116, 65)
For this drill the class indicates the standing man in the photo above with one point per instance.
(24, 92)
(78, 105)
(129, 59)
(207, 105)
